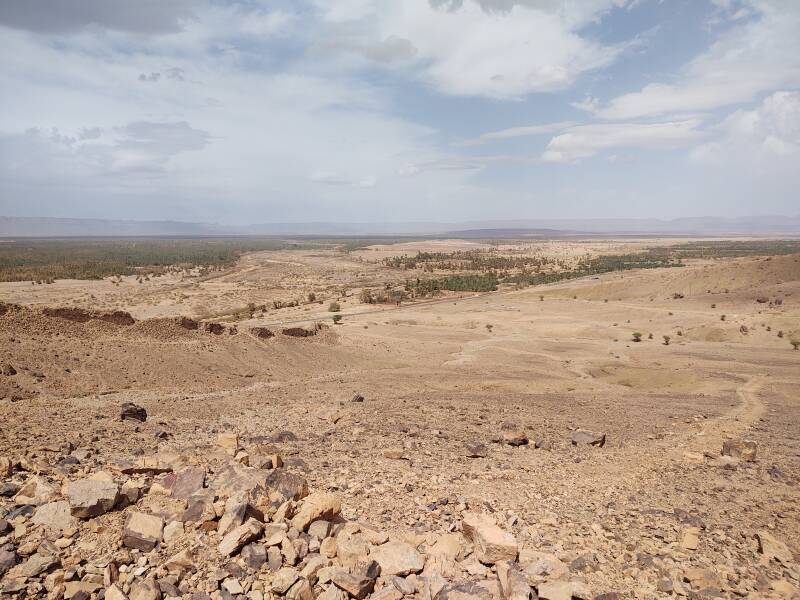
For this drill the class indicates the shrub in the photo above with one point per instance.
(780, 334)
(666, 340)
(637, 337)
(312, 297)
(489, 327)
(795, 344)
(334, 307)
(722, 318)
(337, 318)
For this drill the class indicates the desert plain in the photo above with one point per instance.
(507, 444)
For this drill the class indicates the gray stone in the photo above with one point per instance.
(592, 438)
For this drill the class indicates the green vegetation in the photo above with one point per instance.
(43, 260)
(337, 319)
(474, 260)
(334, 307)
(729, 248)
(453, 283)
(637, 337)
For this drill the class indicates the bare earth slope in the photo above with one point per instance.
(654, 512)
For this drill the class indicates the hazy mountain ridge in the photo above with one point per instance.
(76, 227)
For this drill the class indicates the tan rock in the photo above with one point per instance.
(513, 585)
(284, 579)
(492, 544)
(229, 442)
(742, 449)
(55, 516)
(319, 505)
(690, 538)
(563, 590)
(173, 531)
(181, 563)
(772, 547)
(327, 547)
(142, 531)
(6, 466)
(233, 541)
(301, 590)
(91, 497)
(514, 435)
(358, 587)
(114, 592)
(145, 590)
(71, 588)
(539, 567)
(398, 558)
(35, 491)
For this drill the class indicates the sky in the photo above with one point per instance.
(271, 111)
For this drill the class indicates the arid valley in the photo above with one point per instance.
(214, 434)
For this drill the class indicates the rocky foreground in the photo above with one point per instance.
(247, 526)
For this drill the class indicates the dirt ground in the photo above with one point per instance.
(439, 375)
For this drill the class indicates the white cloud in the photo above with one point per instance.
(502, 50)
(513, 132)
(766, 138)
(760, 55)
(585, 141)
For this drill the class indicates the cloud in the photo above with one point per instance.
(513, 132)
(766, 138)
(55, 16)
(500, 50)
(94, 157)
(585, 141)
(757, 56)
(390, 50)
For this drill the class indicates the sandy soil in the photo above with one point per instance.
(439, 375)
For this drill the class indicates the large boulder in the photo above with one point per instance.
(35, 491)
(287, 485)
(319, 505)
(742, 449)
(238, 537)
(398, 558)
(492, 544)
(186, 482)
(358, 586)
(55, 516)
(142, 531)
(91, 497)
(772, 547)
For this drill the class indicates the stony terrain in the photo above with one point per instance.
(509, 445)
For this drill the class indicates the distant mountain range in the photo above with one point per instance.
(56, 227)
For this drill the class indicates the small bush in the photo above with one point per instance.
(312, 297)
(795, 344)
(334, 307)
(337, 319)
(637, 337)
(666, 340)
